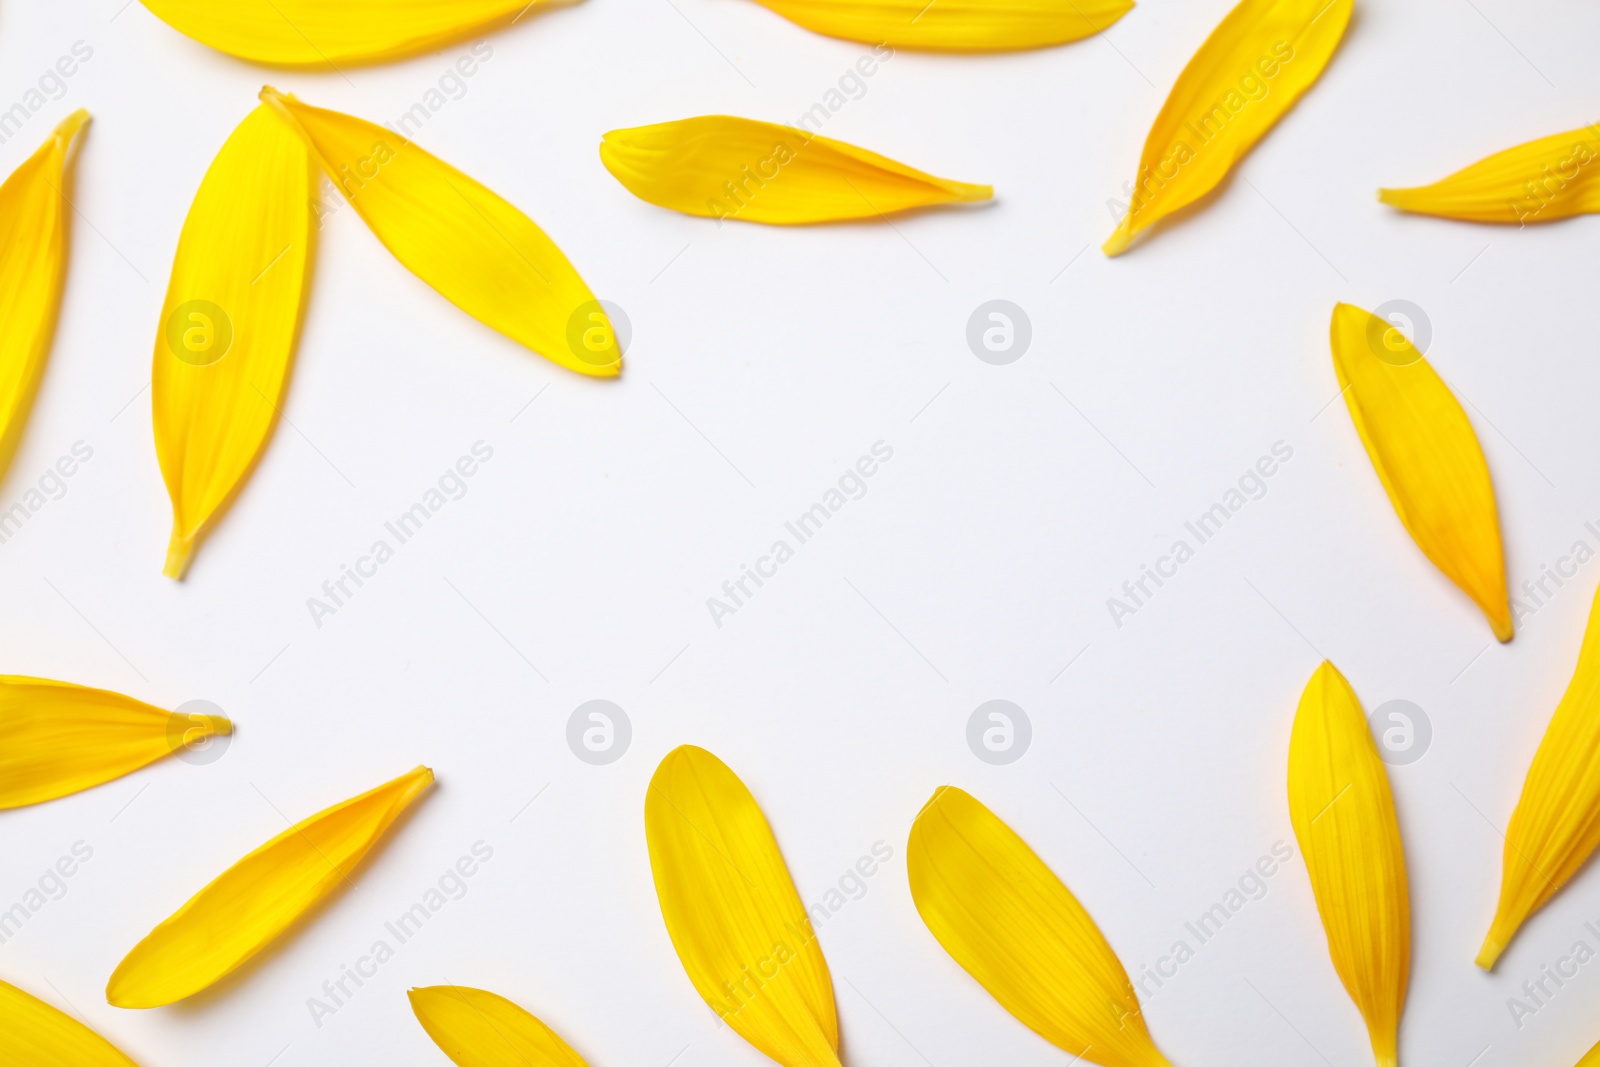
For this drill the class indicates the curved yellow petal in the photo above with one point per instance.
(476, 1028)
(954, 25)
(251, 903)
(1344, 819)
(1426, 456)
(479, 252)
(1541, 181)
(1011, 924)
(726, 167)
(57, 738)
(324, 33)
(33, 266)
(1590, 1058)
(1252, 69)
(229, 323)
(1556, 824)
(34, 1033)
(733, 914)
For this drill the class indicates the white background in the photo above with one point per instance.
(764, 361)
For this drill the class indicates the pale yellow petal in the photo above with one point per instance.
(476, 1028)
(229, 324)
(1426, 455)
(1552, 178)
(954, 25)
(260, 897)
(34, 1034)
(1010, 923)
(733, 914)
(1344, 819)
(57, 738)
(726, 167)
(1255, 65)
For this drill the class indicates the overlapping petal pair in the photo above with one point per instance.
(33, 1034)
(1551, 178)
(955, 25)
(239, 281)
(476, 1028)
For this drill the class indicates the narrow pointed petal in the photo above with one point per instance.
(57, 738)
(733, 913)
(251, 903)
(1011, 924)
(1541, 181)
(1556, 824)
(478, 251)
(1249, 73)
(1344, 819)
(332, 33)
(476, 1028)
(32, 1032)
(954, 25)
(726, 167)
(229, 324)
(33, 268)
(1426, 456)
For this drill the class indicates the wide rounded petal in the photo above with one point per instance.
(34, 1034)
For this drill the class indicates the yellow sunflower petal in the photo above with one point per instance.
(34, 1033)
(1344, 819)
(1590, 1058)
(476, 1028)
(954, 25)
(1556, 824)
(1541, 181)
(480, 253)
(57, 738)
(33, 266)
(258, 898)
(1426, 456)
(725, 167)
(1011, 924)
(324, 33)
(733, 914)
(229, 323)
(1252, 69)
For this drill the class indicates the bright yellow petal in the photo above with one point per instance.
(1252, 69)
(1426, 455)
(954, 25)
(332, 33)
(476, 1028)
(480, 253)
(229, 323)
(34, 1034)
(57, 738)
(1541, 181)
(1556, 824)
(733, 914)
(725, 167)
(1011, 923)
(1344, 819)
(258, 898)
(33, 265)
(1591, 1058)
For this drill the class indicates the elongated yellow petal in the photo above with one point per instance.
(229, 323)
(733, 914)
(33, 266)
(480, 253)
(1541, 181)
(1344, 819)
(954, 25)
(1590, 1058)
(57, 738)
(258, 898)
(34, 1033)
(1556, 824)
(1426, 455)
(1011, 924)
(725, 167)
(1252, 69)
(332, 33)
(476, 1028)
